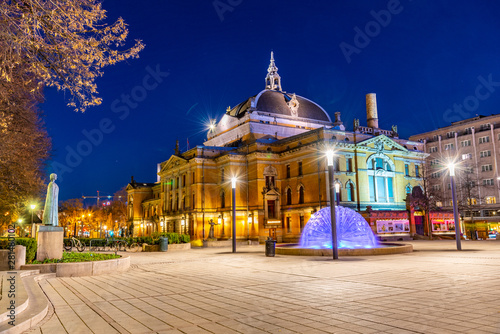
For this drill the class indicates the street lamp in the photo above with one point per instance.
(32, 206)
(329, 157)
(451, 167)
(233, 186)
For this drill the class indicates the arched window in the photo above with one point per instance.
(222, 200)
(289, 196)
(380, 178)
(349, 187)
(408, 189)
(301, 195)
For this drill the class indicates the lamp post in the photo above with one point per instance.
(233, 186)
(451, 167)
(329, 156)
(32, 206)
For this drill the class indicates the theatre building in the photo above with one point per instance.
(274, 144)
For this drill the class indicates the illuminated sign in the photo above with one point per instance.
(393, 226)
(274, 221)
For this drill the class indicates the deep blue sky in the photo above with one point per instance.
(427, 58)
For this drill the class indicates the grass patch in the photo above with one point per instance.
(79, 257)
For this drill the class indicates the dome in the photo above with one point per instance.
(277, 102)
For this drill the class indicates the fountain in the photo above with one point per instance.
(354, 236)
(352, 230)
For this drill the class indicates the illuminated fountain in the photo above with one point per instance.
(352, 230)
(354, 236)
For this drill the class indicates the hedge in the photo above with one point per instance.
(29, 243)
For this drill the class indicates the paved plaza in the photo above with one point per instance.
(435, 289)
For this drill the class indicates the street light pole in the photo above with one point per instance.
(233, 185)
(32, 206)
(329, 155)
(456, 217)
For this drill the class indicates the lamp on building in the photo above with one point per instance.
(233, 186)
(451, 167)
(183, 225)
(337, 192)
(250, 220)
(32, 206)
(329, 157)
(161, 224)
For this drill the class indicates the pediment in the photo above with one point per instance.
(174, 162)
(382, 143)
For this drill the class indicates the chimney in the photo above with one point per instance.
(371, 111)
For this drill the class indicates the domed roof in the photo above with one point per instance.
(277, 102)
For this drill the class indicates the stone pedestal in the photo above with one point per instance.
(20, 252)
(49, 242)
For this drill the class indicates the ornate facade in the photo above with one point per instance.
(274, 143)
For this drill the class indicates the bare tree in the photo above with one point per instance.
(61, 43)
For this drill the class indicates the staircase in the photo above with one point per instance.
(22, 302)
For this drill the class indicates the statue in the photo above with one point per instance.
(211, 232)
(50, 212)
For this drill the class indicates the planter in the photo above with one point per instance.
(171, 247)
(77, 269)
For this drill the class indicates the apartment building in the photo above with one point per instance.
(474, 144)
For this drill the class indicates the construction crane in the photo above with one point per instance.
(98, 197)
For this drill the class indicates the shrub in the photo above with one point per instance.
(29, 243)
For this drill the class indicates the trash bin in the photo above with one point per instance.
(163, 244)
(270, 247)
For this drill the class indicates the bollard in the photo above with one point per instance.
(20, 252)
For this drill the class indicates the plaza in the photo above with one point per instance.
(435, 289)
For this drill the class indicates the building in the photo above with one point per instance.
(274, 143)
(473, 143)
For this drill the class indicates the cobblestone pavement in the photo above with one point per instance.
(435, 289)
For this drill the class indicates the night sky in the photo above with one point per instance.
(419, 57)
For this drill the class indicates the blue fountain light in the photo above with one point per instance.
(352, 230)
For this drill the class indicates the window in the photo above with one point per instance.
(193, 206)
(271, 209)
(380, 179)
(484, 126)
(449, 186)
(176, 204)
(301, 195)
(486, 168)
(435, 137)
(465, 143)
(434, 162)
(193, 180)
(484, 154)
(439, 204)
(184, 203)
(485, 139)
(408, 189)
(450, 134)
(487, 182)
(433, 149)
(471, 201)
(348, 164)
(222, 175)
(407, 170)
(417, 172)
(350, 191)
(288, 225)
(467, 156)
(499, 136)
(222, 200)
(177, 182)
(300, 168)
(491, 200)
(287, 171)
(435, 175)
(301, 223)
(289, 196)
(184, 180)
(449, 147)
(436, 187)
(468, 131)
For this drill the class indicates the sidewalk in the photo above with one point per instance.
(435, 289)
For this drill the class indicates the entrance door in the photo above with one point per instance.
(419, 225)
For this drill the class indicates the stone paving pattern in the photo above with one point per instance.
(435, 289)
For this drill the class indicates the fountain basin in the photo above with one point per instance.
(382, 249)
